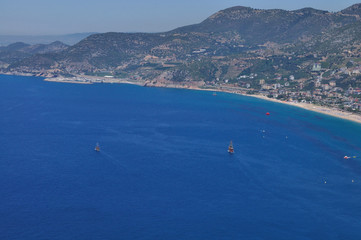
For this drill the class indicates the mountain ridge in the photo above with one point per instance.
(233, 31)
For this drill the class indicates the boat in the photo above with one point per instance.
(230, 148)
(214, 94)
(97, 148)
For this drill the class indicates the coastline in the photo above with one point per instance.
(315, 108)
(307, 106)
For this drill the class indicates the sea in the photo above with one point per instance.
(163, 170)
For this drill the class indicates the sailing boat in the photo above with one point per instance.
(97, 148)
(230, 148)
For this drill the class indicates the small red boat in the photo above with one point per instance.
(97, 148)
(230, 148)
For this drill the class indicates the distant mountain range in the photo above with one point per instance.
(69, 39)
(18, 51)
(204, 51)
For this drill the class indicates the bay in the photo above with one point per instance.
(163, 171)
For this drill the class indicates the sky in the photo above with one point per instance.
(54, 17)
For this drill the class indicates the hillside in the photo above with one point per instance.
(257, 26)
(16, 52)
(228, 32)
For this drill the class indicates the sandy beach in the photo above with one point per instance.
(92, 80)
(315, 108)
(311, 107)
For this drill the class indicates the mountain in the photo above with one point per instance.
(36, 48)
(54, 47)
(257, 26)
(18, 51)
(14, 47)
(69, 39)
(203, 51)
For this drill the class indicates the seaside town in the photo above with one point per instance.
(320, 90)
(331, 91)
(321, 83)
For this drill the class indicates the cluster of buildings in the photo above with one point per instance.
(332, 91)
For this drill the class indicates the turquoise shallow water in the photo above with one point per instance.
(164, 172)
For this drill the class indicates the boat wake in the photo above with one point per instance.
(113, 160)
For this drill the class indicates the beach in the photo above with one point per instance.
(93, 79)
(315, 108)
(308, 106)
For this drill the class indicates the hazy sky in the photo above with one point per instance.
(34, 17)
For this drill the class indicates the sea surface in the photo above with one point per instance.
(164, 172)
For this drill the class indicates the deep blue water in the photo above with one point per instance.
(164, 172)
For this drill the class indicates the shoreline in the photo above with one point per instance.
(92, 80)
(307, 106)
(316, 108)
